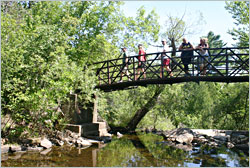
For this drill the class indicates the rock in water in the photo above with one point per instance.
(83, 142)
(230, 145)
(185, 138)
(182, 135)
(46, 143)
(119, 135)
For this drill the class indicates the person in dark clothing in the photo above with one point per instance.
(124, 63)
(186, 54)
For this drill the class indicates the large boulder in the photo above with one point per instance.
(4, 148)
(184, 135)
(221, 138)
(185, 138)
(46, 143)
(181, 135)
(239, 139)
(244, 147)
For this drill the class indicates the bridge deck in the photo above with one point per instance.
(145, 82)
(222, 65)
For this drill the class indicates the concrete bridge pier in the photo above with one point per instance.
(83, 117)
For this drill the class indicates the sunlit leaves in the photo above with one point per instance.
(240, 12)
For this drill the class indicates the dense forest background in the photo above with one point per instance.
(45, 46)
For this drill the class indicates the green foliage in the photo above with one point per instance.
(167, 154)
(92, 27)
(47, 46)
(203, 105)
(234, 106)
(176, 28)
(118, 149)
(37, 73)
(214, 40)
(145, 149)
(240, 12)
(118, 107)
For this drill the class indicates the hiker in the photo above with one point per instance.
(142, 62)
(203, 58)
(186, 54)
(165, 59)
(124, 64)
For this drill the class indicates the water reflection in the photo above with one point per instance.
(141, 150)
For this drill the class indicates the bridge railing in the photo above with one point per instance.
(219, 62)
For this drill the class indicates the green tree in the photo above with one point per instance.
(144, 29)
(214, 41)
(176, 28)
(92, 27)
(240, 12)
(151, 102)
(37, 74)
(233, 107)
(45, 47)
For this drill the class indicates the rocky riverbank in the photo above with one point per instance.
(185, 138)
(182, 138)
(44, 144)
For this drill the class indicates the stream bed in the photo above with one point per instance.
(143, 150)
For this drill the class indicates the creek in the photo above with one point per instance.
(142, 150)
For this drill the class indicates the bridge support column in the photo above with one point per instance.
(94, 118)
(84, 120)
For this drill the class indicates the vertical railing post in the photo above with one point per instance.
(226, 63)
(109, 81)
(192, 60)
(209, 62)
(134, 68)
(162, 70)
(198, 65)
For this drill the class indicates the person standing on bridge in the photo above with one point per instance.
(165, 59)
(124, 63)
(142, 62)
(203, 58)
(186, 54)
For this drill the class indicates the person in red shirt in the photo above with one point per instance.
(142, 62)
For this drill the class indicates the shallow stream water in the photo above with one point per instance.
(142, 150)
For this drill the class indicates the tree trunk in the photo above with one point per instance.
(173, 46)
(131, 126)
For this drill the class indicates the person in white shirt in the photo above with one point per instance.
(203, 58)
(166, 58)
